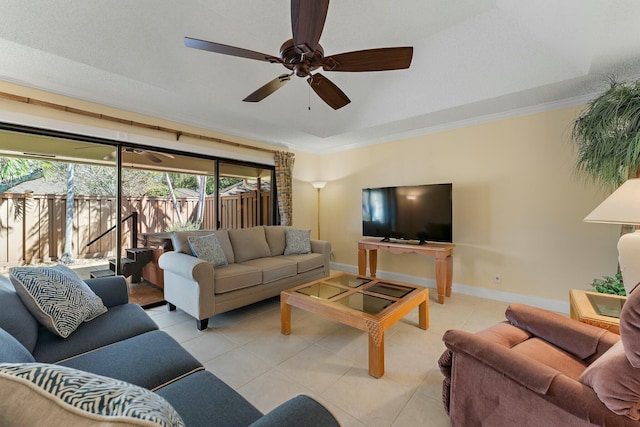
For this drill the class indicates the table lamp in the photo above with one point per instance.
(623, 207)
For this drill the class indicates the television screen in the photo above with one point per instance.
(421, 212)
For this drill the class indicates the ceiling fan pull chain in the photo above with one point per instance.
(309, 97)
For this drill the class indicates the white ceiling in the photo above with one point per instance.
(472, 59)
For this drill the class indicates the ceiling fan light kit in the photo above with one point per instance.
(303, 55)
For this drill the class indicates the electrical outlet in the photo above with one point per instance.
(497, 278)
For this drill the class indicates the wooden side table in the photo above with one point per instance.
(593, 308)
(442, 252)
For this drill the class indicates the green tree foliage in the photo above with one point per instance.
(14, 171)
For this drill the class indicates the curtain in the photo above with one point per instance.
(284, 173)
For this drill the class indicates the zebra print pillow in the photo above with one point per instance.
(56, 297)
(74, 397)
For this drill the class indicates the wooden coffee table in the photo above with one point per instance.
(369, 304)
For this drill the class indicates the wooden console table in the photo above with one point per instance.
(442, 252)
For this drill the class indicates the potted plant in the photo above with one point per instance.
(606, 136)
(609, 285)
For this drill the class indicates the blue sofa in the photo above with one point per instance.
(125, 344)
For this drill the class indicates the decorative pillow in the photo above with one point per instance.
(208, 248)
(615, 381)
(298, 241)
(36, 393)
(56, 297)
(630, 327)
(249, 243)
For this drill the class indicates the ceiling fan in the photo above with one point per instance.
(303, 54)
(150, 155)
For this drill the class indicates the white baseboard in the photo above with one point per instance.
(547, 304)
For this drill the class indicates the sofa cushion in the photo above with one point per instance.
(11, 350)
(36, 393)
(150, 360)
(274, 268)
(223, 238)
(275, 238)
(56, 297)
(119, 323)
(298, 241)
(236, 276)
(615, 381)
(208, 248)
(249, 243)
(14, 316)
(202, 399)
(181, 244)
(306, 262)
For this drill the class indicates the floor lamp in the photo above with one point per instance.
(318, 185)
(623, 207)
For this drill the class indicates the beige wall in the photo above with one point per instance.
(518, 207)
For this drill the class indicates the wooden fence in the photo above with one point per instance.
(32, 227)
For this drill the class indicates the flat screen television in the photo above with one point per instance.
(420, 212)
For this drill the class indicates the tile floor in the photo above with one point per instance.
(328, 361)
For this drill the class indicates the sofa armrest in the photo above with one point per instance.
(583, 341)
(112, 290)
(186, 266)
(300, 411)
(320, 247)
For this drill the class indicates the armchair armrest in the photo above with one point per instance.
(584, 341)
(527, 372)
(300, 411)
(112, 290)
(186, 266)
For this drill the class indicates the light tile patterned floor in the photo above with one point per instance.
(328, 361)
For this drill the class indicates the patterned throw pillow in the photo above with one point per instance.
(208, 248)
(76, 397)
(56, 297)
(297, 241)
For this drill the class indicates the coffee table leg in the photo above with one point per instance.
(423, 314)
(376, 351)
(285, 316)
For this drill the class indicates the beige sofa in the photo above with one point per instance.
(257, 269)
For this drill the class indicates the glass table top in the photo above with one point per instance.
(322, 290)
(389, 289)
(606, 306)
(347, 280)
(366, 303)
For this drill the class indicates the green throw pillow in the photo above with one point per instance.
(56, 297)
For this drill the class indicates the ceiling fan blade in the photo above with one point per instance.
(328, 91)
(307, 22)
(229, 50)
(383, 59)
(171, 156)
(148, 155)
(268, 89)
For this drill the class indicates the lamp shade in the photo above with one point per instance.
(319, 184)
(621, 207)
